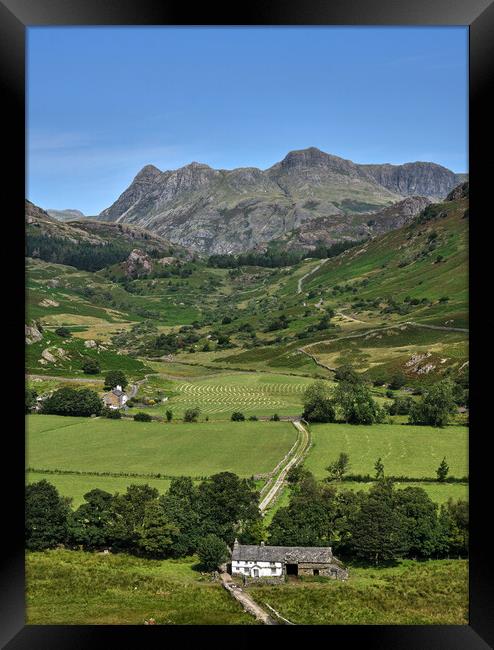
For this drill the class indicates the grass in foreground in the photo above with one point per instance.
(412, 593)
(79, 588)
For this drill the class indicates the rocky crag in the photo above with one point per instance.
(228, 211)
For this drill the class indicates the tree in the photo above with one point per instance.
(453, 520)
(64, 332)
(401, 406)
(379, 530)
(338, 468)
(191, 415)
(442, 471)
(356, 403)
(115, 378)
(73, 401)
(379, 467)
(212, 552)
(237, 416)
(156, 533)
(90, 366)
(436, 405)
(421, 520)
(142, 417)
(180, 507)
(30, 399)
(398, 380)
(318, 406)
(347, 373)
(169, 415)
(228, 505)
(126, 516)
(46, 516)
(88, 525)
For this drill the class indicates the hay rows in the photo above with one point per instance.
(213, 397)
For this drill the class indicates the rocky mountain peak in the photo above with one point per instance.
(148, 172)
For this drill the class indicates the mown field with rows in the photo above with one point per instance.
(220, 395)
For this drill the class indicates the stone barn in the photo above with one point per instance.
(275, 562)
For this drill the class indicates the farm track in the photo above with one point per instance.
(316, 268)
(304, 443)
(383, 329)
(82, 380)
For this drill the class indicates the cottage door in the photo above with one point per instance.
(255, 573)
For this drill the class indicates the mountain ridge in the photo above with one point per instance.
(228, 211)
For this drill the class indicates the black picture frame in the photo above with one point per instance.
(15, 16)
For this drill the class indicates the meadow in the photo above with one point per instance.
(220, 395)
(193, 449)
(412, 451)
(79, 588)
(410, 593)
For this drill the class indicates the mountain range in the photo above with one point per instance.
(229, 211)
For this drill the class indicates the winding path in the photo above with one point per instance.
(316, 268)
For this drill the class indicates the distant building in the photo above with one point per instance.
(115, 399)
(277, 561)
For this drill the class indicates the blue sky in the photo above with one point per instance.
(105, 101)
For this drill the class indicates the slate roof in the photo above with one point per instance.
(287, 554)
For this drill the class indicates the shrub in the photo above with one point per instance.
(191, 415)
(237, 416)
(275, 417)
(64, 332)
(142, 417)
(30, 399)
(253, 418)
(111, 414)
(90, 367)
(71, 401)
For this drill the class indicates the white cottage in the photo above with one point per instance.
(115, 399)
(277, 561)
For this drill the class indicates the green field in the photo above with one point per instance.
(198, 449)
(412, 593)
(78, 588)
(412, 451)
(220, 395)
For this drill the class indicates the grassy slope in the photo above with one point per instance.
(199, 449)
(77, 588)
(412, 593)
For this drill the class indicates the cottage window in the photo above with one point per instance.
(273, 571)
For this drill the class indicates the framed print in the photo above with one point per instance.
(248, 282)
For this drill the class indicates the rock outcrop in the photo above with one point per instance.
(137, 264)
